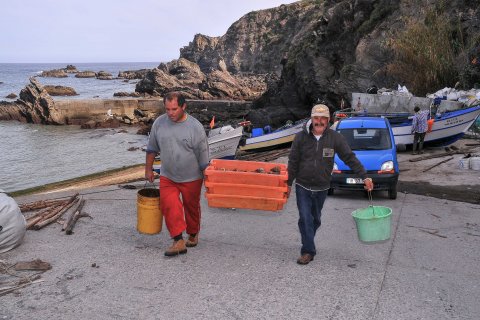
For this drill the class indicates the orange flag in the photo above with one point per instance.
(212, 123)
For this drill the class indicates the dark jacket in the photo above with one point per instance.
(311, 162)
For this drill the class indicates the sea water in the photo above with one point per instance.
(33, 155)
(15, 76)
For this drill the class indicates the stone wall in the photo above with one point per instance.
(80, 111)
(97, 109)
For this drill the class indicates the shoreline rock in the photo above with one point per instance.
(55, 73)
(60, 91)
(85, 74)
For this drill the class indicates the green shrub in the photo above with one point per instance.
(425, 53)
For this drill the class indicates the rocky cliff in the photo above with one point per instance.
(325, 50)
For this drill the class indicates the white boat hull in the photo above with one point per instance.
(443, 128)
(273, 139)
(224, 145)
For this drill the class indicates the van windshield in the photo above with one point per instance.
(367, 139)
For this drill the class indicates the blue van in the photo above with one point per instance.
(372, 141)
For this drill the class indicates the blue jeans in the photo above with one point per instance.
(309, 204)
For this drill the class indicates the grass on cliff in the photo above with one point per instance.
(425, 53)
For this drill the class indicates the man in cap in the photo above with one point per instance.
(310, 164)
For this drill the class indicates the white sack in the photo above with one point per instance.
(12, 223)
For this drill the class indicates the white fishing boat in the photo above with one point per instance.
(450, 119)
(278, 138)
(447, 127)
(223, 142)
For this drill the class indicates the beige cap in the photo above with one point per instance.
(320, 110)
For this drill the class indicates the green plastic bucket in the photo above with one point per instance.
(373, 223)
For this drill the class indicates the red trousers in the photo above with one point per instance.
(181, 214)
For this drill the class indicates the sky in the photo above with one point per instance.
(70, 31)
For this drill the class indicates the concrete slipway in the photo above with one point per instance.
(245, 265)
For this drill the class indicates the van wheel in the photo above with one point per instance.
(392, 192)
(331, 191)
(401, 147)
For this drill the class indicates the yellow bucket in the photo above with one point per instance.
(149, 215)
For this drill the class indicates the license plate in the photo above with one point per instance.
(354, 180)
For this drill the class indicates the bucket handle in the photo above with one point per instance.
(152, 183)
(370, 199)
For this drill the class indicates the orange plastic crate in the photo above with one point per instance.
(244, 202)
(243, 172)
(246, 190)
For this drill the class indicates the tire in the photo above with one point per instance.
(331, 191)
(401, 147)
(392, 192)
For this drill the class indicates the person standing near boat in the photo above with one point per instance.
(419, 129)
(310, 164)
(182, 143)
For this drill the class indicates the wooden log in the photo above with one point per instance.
(40, 216)
(69, 220)
(39, 205)
(49, 212)
(78, 214)
(22, 283)
(33, 265)
(436, 164)
(55, 215)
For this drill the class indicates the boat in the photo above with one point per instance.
(449, 120)
(259, 140)
(447, 127)
(223, 142)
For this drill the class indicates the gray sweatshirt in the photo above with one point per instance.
(183, 148)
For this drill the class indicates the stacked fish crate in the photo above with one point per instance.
(246, 184)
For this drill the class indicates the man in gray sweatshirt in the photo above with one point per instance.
(310, 164)
(182, 143)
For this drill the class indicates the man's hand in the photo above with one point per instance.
(149, 176)
(368, 184)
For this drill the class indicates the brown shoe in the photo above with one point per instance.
(178, 247)
(305, 258)
(192, 241)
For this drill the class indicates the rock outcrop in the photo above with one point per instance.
(70, 69)
(59, 73)
(34, 106)
(216, 83)
(60, 90)
(133, 74)
(38, 105)
(103, 75)
(85, 74)
(55, 73)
